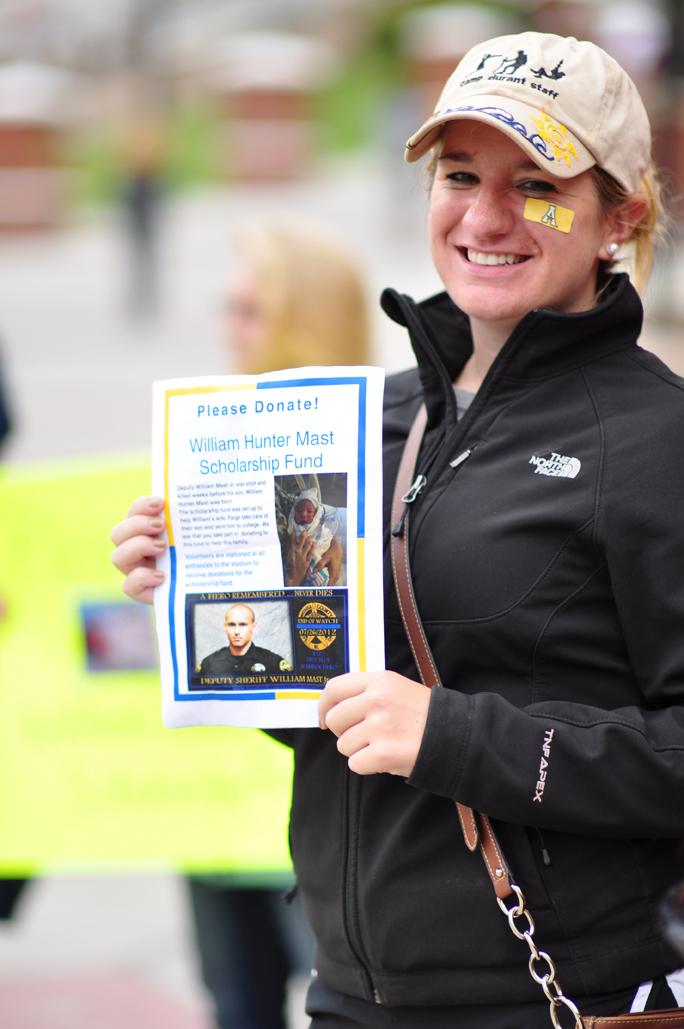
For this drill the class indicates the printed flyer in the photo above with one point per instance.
(273, 574)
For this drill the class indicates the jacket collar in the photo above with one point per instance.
(543, 344)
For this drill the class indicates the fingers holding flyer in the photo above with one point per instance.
(139, 541)
(273, 570)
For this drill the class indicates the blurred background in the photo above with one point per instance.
(138, 139)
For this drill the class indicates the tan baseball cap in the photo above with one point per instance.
(567, 103)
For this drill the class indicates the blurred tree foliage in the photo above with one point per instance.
(347, 112)
(191, 155)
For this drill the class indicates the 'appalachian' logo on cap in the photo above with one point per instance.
(554, 133)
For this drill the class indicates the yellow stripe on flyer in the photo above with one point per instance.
(361, 559)
(296, 694)
(553, 215)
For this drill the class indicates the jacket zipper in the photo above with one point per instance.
(465, 425)
(350, 916)
(417, 331)
(545, 856)
(457, 461)
(419, 484)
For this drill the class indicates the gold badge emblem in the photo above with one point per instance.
(317, 626)
(555, 134)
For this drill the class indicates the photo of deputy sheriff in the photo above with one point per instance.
(242, 656)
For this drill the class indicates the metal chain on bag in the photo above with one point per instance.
(548, 981)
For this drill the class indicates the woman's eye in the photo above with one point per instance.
(462, 178)
(537, 186)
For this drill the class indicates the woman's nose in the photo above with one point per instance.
(489, 214)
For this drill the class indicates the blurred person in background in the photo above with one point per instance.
(5, 415)
(545, 538)
(142, 159)
(10, 888)
(294, 298)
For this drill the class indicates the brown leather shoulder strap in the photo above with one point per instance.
(672, 1018)
(400, 557)
(477, 830)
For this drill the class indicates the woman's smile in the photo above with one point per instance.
(490, 259)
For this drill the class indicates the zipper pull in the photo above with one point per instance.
(461, 458)
(545, 856)
(415, 490)
(411, 494)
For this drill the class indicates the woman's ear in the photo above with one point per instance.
(623, 221)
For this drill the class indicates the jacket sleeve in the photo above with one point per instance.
(569, 766)
(285, 736)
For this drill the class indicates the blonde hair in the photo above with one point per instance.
(314, 300)
(650, 230)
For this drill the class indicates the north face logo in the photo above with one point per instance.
(558, 465)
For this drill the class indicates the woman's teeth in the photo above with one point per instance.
(476, 257)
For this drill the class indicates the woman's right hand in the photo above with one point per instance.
(139, 541)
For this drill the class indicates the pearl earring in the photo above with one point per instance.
(612, 248)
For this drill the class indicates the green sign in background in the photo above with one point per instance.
(90, 778)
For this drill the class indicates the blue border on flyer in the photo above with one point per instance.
(356, 380)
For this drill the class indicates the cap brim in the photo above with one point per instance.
(550, 144)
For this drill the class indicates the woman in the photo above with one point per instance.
(545, 548)
(295, 298)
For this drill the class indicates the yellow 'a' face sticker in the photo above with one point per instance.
(553, 215)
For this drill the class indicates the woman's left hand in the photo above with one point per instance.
(379, 719)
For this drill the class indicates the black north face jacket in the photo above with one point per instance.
(549, 572)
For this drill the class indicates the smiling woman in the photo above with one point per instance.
(534, 575)
(545, 535)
